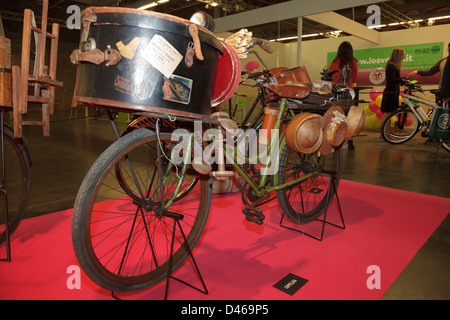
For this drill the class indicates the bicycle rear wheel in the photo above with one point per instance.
(122, 239)
(307, 200)
(15, 187)
(400, 127)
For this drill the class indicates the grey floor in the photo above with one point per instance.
(61, 161)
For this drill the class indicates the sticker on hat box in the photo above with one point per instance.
(138, 80)
(177, 89)
(162, 55)
(128, 51)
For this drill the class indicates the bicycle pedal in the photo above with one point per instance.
(254, 215)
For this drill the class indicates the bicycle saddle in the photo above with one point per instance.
(293, 91)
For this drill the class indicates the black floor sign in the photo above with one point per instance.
(290, 284)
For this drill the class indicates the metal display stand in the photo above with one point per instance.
(324, 220)
(176, 221)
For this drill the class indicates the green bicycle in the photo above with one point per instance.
(124, 211)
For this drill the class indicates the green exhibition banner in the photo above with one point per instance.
(417, 57)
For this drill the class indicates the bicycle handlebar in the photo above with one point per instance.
(328, 75)
(411, 85)
(262, 44)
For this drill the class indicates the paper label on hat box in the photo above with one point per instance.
(162, 55)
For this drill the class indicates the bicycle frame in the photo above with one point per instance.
(262, 187)
(259, 98)
(416, 109)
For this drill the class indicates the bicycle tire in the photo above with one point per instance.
(445, 143)
(133, 254)
(307, 200)
(16, 182)
(400, 127)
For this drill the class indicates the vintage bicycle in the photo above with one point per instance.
(138, 213)
(404, 123)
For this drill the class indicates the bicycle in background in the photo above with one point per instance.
(404, 123)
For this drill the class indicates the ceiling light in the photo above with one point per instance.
(377, 26)
(214, 4)
(163, 1)
(310, 35)
(150, 5)
(295, 37)
(439, 18)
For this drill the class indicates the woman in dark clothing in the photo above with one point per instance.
(391, 94)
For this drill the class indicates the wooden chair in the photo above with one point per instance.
(37, 88)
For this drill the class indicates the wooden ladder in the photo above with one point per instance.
(43, 80)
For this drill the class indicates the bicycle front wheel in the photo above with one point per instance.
(400, 127)
(308, 199)
(122, 239)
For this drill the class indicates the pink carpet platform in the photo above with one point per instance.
(241, 260)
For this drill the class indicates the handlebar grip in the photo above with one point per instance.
(262, 44)
(254, 75)
(266, 47)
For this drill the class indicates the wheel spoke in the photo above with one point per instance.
(306, 200)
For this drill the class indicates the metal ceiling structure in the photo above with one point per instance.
(267, 19)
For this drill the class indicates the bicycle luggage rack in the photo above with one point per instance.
(324, 220)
